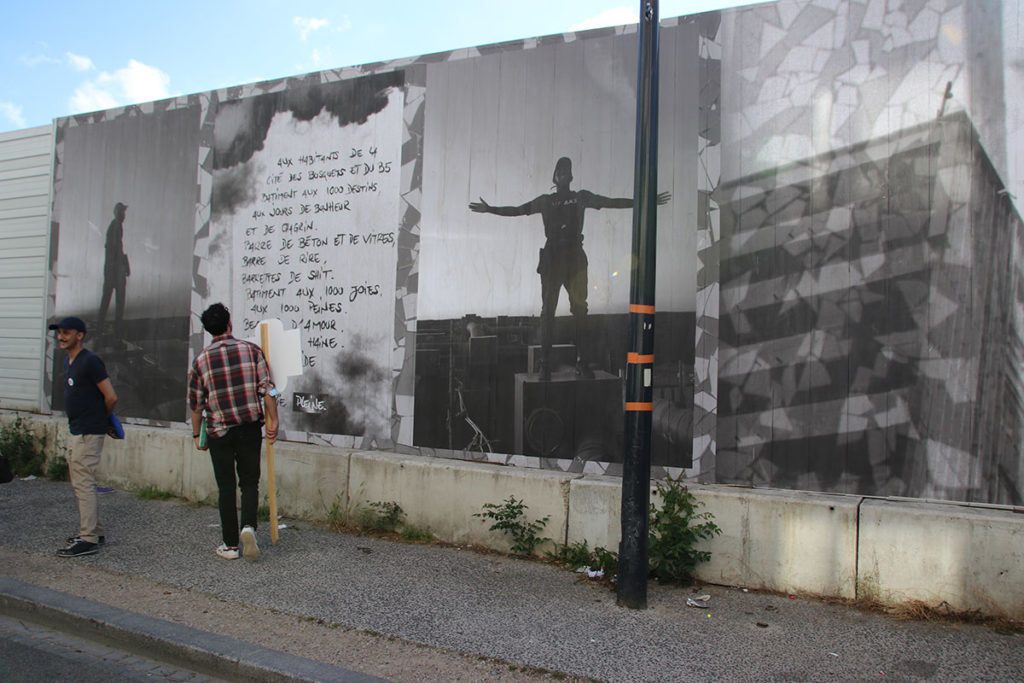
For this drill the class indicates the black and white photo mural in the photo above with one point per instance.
(125, 188)
(304, 228)
(839, 280)
(525, 257)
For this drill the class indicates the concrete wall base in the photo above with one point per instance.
(968, 558)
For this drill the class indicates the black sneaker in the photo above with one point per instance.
(79, 547)
(71, 539)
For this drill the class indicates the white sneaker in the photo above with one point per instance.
(250, 549)
(227, 553)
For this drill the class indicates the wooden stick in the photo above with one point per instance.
(271, 490)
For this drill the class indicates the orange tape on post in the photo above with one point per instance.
(641, 308)
(639, 407)
(637, 359)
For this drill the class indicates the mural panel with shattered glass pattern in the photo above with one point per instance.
(870, 337)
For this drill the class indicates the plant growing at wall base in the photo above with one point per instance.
(572, 555)
(154, 493)
(389, 515)
(606, 560)
(510, 517)
(57, 464)
(336, 514)
(580, 554)
(675, 528)
(25, 452)
(414, 534)
(57, 469)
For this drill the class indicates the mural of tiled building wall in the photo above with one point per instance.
(709, 160)
(870, 328)
(802, 77)
(869, 334)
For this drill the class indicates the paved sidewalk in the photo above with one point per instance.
(429, 613)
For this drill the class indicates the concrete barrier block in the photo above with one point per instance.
(310, 480)
(147, 456)
(971, 558)
(443, 495)
(787, 541)
(595, 504)
(198, 482)
(778, 540)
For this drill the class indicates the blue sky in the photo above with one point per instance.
(62, 58)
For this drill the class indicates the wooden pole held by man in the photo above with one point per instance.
(271, 487)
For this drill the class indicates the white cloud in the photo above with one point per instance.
(76, 62)
(308, 24)
(79, 63)
(91, 97)
(135, 83)
(13, 113)
(616, 16)
(37, 59)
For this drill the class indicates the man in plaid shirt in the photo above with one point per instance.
(228, 382)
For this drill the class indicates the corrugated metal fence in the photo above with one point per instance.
(26, 162)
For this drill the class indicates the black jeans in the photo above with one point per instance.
(239, 448)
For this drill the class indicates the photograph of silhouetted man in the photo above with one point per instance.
(116, 270)
(562, 263)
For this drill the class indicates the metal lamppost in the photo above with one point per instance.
(636, 475)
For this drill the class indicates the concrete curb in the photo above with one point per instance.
(179, 645)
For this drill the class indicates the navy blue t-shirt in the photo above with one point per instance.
(83, 401)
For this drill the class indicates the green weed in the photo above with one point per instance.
(510, 518)
(24, 450)
(415, 534)
(57, 464)
(337, 515)
(675, 528)
(385, 516)
(154, 493)
(580, 554)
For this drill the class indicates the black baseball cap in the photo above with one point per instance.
(70, 323)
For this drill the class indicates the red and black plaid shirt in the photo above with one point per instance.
(228, 381)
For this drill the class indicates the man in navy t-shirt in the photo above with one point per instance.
(89, 400)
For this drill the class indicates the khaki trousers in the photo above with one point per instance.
(83, 459)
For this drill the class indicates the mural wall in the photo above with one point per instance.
(525, 258)
(869, 338)
(838, 306)
(303, 227)
(125, 189)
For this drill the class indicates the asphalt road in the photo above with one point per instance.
(32, 653)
